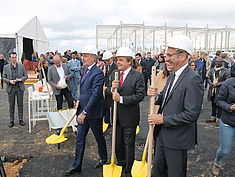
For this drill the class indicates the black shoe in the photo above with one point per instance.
(71, 171)
(100, 163)
(11, 124)
(21, 122)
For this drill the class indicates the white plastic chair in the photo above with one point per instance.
(38, 106)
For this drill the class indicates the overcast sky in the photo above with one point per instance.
(70, 24)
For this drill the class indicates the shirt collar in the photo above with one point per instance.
(126, 71)
(59, 66)
(177, 73)
(89, 67)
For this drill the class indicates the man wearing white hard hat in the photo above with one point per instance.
(130, 91)
(176, 122)
(90, 110)
(109, 67)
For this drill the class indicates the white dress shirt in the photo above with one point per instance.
(60, 71)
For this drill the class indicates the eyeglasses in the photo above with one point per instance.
(171, 54)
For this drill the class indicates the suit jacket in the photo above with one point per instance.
(181, 110)
(91, 94)
(53, 77)
(7, 76)
(133, 92)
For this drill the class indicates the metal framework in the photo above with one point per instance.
(140, 37)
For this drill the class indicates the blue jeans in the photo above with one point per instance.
(227, 137)
(74, 87)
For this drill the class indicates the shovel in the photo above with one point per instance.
(73, 127)
(55, 139)
(113, 170)
(150, 146)
(139, 168)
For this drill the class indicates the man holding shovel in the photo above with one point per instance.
(180, 105)
(130, 91)
(90, 110)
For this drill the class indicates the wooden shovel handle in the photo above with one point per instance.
(114, 121)
(150, 146)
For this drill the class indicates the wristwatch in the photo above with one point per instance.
(84, 112)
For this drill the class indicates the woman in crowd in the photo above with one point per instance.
(226, 101)
(160, 63)
(193, 65)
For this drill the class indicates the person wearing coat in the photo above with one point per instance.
(14, 75)
(57, 72)
(226, 101)
(216, 77)
(130, 92)
(74, 66)
(3, 62)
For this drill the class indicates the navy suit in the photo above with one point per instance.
(92, 102)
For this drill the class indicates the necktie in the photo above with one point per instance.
(121, 78)
(85, 73)
(169, 87)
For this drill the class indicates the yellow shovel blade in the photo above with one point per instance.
(105, 126)
(55, 139)
(112, 170)
(137, 129)
(139, 169)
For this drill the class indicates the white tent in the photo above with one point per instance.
(22, 37)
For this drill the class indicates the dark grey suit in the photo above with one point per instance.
(16, 90)
(181, 110)
(128, 116)
(53, 79)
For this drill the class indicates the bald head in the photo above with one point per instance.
(57, 60)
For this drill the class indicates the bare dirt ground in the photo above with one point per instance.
(45, 160)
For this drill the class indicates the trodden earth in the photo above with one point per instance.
(27, 154)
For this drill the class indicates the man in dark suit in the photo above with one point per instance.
(109, 67)
(149, 63)
(180, 102)
(14, 75)
(90, 111)
(131, 91)
(57, 72)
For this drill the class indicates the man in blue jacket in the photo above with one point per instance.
(90, 110)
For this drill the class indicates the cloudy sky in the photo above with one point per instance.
(71, 24)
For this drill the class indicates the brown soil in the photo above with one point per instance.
(12, 169)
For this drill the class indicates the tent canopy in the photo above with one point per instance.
(19, 28)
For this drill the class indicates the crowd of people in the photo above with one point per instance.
(182, 79)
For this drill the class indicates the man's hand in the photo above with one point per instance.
(66, 77)
(104, 89)
(155, 119)
(232, 107)
(116, 97)
(18, 80)
(81, 118)
(115, 85)
(152, 91)
(58, 87)
(13, 82)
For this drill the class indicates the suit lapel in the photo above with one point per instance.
(87, 75)
(183, 74)
(128, 77)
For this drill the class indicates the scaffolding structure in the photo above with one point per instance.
(140, 37)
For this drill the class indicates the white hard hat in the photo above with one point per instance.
(107, 54)
(124, 52)
(90, 49)
(181, 42)
(62, 83)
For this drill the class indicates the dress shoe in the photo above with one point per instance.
(100, 163)
(21, 122)
(11, 124)
(71, 171)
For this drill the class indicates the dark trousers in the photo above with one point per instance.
(125, 147)
(169, 162)
(16, 93)
(216, 110)
(108, 114)
(82, 130)
(59, 98)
